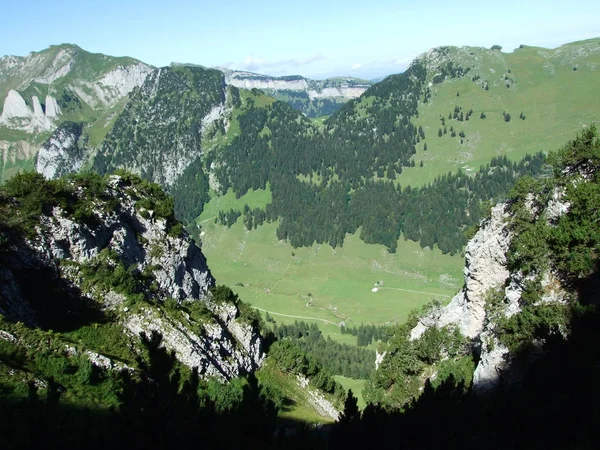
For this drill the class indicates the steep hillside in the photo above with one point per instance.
(40, 91)
(110, 261)
(110, 322)
(313, 98)
(487, 103)
(167, 128)
(529, 273)
(159, 134)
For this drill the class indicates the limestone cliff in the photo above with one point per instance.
(114, 246)
(487, 274)
(63, 153)
(313, 98)
(16, 114)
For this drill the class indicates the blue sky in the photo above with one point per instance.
(308, 37)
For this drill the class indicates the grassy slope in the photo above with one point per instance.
(296, 406)
(556, 101)
(356, 386)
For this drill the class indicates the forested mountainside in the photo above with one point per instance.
(313, 98)
(354, 172)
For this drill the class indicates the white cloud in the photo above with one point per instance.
(356, 66)
(258, 63)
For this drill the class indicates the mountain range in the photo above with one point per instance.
(143, 174)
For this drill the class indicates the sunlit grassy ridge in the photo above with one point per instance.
(554, 89)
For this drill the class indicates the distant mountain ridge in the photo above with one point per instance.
(314, 98)
(42, 90)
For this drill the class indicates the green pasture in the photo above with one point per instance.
(357, 387)
(320, 283)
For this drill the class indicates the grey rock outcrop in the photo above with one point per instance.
(62, 153)
(17, 115)
(318, 401)
(343, 88)
(220, 344)
(486, 271)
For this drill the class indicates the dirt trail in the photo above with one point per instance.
(416, 292)
(296, 317)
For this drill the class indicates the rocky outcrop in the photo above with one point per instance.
(110, 88)
(247, 80)
(17, 115)
(62, 153)
(486, 272)
(317, 400)
(123, 233)
(343, 87)
(311, 97)
(225, 350)
(485, 269)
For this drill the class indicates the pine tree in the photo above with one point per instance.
(351, 413)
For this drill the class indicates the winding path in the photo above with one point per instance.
(416, 292)
(296, 317)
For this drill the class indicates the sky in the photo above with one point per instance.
(317, 39)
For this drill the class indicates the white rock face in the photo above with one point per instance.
(217, 112)
(61, 66)
(268, 83)
(52, 108)
(323, 406)
(17, 115)
(113, 86)
(343, 91)
(379, 358)
(218, 353)
(314, 88)
(485, 269)
(37, 107)
(493, 362)
(14, 106)
(60, 155)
